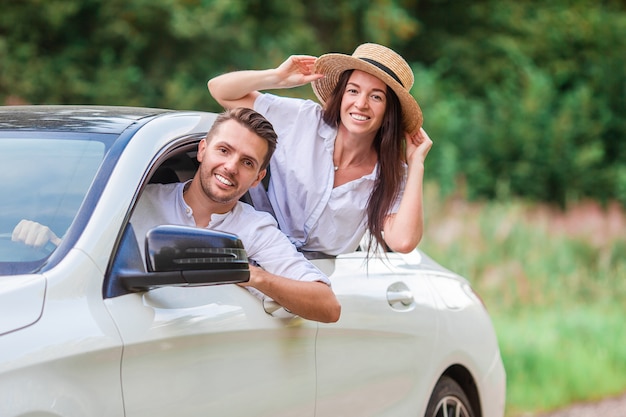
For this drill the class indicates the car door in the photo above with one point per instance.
(370, 362)
(212, 351)
(208, 350)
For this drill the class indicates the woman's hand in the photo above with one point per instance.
(297, 70)
(241, 88)
(417, 146)
(404, 229)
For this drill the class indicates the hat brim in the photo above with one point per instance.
(333, 65)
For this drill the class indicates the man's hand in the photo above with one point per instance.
(34, 234)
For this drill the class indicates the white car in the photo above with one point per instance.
(90, 328)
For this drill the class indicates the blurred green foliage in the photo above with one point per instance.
(522, 98)
(560, 356)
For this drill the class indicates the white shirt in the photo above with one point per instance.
(314, 215)
(261, 238)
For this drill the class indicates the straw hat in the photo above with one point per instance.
(380, 62)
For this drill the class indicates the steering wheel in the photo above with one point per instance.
(12, 251)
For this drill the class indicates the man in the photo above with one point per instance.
(233, 157)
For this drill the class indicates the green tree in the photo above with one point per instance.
(547, 87)
(161, 52)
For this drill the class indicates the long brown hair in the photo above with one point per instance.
(388, 144)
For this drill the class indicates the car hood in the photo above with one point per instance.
(21, 301)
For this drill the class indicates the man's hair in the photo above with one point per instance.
(254, 122)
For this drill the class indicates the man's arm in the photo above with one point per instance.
(285, 275)
(312, 300)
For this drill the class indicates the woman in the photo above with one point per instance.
(353, 163)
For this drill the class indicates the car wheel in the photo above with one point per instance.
(448, 400)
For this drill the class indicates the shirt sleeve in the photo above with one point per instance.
(286, 114)
(272, 250)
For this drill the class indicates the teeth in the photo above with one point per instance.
(223, 180)
(359, 117)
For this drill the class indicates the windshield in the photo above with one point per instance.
(44, 181)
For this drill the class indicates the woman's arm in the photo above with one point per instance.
(403, 230)
(241, 88)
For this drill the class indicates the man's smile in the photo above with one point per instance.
(224, 180)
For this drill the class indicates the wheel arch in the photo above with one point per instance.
(465, 379)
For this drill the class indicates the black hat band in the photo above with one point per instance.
(384, 68)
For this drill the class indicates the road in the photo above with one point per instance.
(610, 407)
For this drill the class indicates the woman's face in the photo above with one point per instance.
(363, 103)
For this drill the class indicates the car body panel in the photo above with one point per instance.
(210, 344)
(67, 362)
(395, 339)
(475, 348)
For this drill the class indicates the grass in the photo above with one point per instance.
(554, 357)
(553, 282)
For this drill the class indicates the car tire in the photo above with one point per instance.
(448, 399)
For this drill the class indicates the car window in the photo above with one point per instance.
(44, 180)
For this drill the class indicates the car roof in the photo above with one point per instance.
(68, 118)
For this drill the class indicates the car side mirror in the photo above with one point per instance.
(189, 256)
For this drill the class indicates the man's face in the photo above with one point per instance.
(230, 163)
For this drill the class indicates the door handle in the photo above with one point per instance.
(274, 309)
(399, 293)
